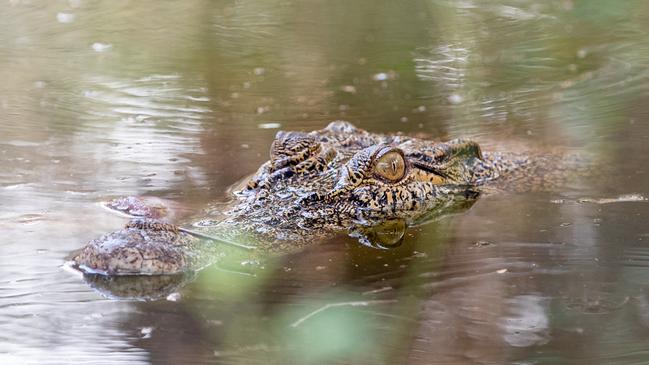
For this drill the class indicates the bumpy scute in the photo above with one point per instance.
(142, 247)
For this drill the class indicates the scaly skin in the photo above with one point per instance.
(337, 179)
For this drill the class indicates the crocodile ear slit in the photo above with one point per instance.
(428, 167)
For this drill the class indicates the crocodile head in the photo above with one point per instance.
(342, 175)
(340, 178)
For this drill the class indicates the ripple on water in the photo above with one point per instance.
(162, 96)
(154, 119)
(39, 307)
(528, 322)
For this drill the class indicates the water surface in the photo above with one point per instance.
(181, 100)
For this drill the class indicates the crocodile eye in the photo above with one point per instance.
(390, 166)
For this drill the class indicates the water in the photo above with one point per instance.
(180, 100)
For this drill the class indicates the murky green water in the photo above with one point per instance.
(181, 99)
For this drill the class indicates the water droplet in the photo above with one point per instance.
(582, 53)
(101, 47)
(455, 99)
(482, 243)
(381, 76)
(65, 17)
(146, 332)
(270, 125)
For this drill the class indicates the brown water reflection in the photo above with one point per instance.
(180, 100)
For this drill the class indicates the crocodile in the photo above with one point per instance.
(316, 184)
